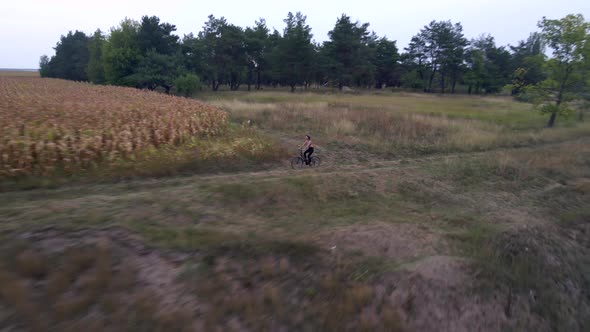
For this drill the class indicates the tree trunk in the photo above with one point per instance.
(552, 120)
(250, 76)
(568, 70)
(469, 89)
(453, 82)
(292, 87)
(258, 79)
(431, 80)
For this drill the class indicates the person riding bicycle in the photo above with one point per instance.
(308, 148)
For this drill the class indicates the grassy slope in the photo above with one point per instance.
(490, 241)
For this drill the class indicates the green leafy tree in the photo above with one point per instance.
(386, 62)
(488, 66)
(321, 66)
(438, 50)
(416, 64)
(454, 57)
(71, 57)
(364, 74)
(273, 75)
(586, 78)
(121, 52)
(213, 64)
(156, 70)
(160, 59)
(95, 67)
(528, 58)
(156, 36)
(257, 49)
(347, 50)
(193, 50)
(295, 51)
(224, 55)
(44, 69)
(476, 73)
(187, 84)
(234, 48)
(568, 37)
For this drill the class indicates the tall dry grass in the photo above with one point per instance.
(570, 161)
(374, 125)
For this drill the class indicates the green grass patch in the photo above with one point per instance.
(498, 110)
(216, 243)
(307, 202)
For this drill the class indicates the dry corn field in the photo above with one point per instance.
(50, 125)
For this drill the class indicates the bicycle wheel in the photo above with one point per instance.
(297, 163)
(315, 161)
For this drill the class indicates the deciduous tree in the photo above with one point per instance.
(121, 52)
(95, 68)
(568, 38)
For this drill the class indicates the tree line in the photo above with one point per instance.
(147, 54)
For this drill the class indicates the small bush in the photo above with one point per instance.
(187, 84)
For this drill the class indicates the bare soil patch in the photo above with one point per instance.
(399, 242)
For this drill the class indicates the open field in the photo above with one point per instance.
(18, 73)
(385, 126)
(427, 214)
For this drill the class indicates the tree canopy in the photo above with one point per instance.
(439, 58)
(569, 39)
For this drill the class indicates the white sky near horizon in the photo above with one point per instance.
(31, 28)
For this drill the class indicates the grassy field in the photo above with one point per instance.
(384, 126)
(18, 73)
(428, 213)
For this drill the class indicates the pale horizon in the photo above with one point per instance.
(30, 29)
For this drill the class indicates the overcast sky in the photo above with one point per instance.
(31, 28)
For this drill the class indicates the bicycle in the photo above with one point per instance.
(299, 162)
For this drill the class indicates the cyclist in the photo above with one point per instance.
(308, 148)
